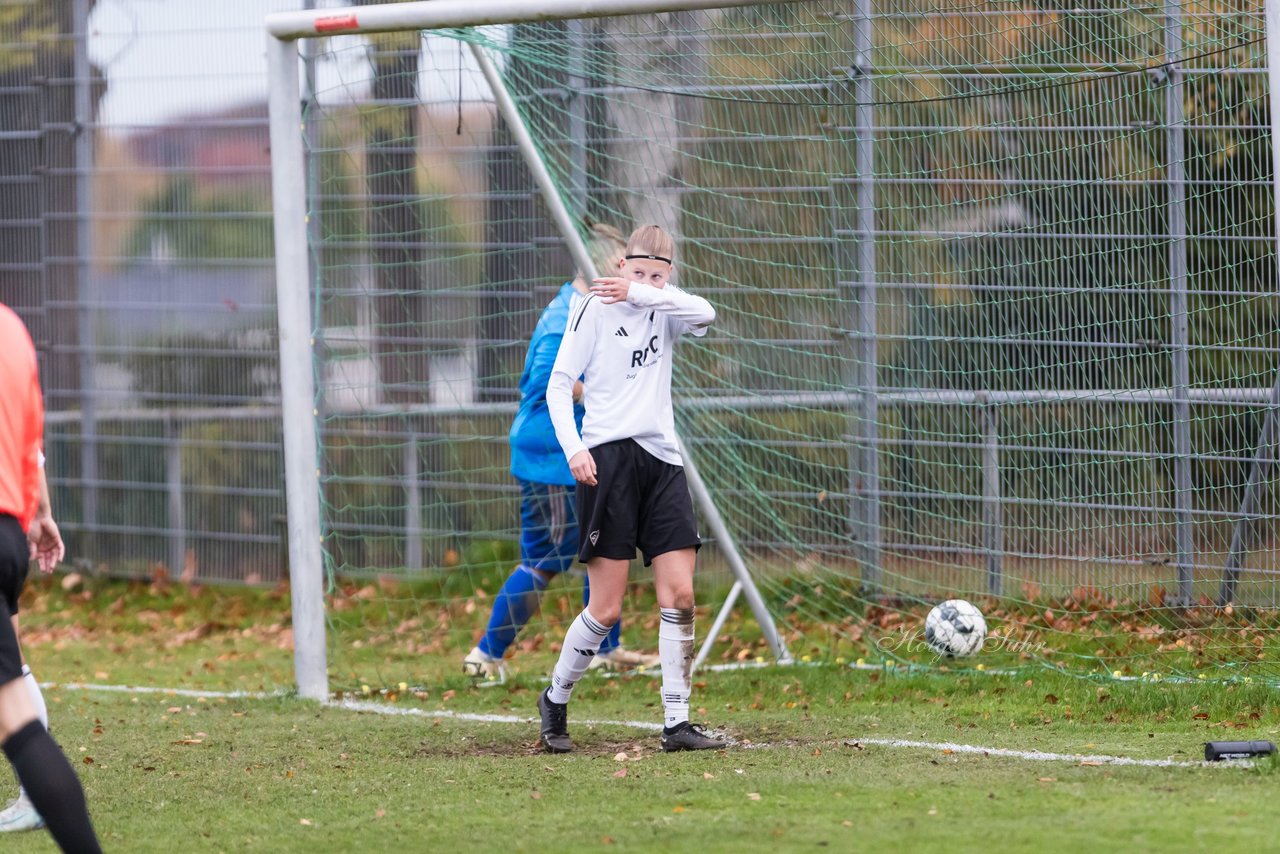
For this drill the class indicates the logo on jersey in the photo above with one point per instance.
(594, 537)
(641, 358)
(622, 331)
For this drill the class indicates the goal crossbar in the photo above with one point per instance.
(441, 14)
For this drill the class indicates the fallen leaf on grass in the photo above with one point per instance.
(1048, 779)
(379, 813)
(847, 823)
(678, 808)
(621, 772)
(190, 635)
(305, 822)
(88, 760)
(1092, 764)
(537, 796)
(620, 757)
(189, 741)
(707, 775)
(753, 796)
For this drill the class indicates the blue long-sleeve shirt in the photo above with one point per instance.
(535, 452)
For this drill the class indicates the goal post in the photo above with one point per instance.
(298, 401)
(297, 381)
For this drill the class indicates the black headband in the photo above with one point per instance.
(650, 257)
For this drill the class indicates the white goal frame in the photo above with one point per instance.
(293, 278)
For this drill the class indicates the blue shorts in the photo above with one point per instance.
(548, 527)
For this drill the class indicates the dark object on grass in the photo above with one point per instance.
(1215, 751)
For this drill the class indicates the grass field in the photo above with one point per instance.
(212, 773)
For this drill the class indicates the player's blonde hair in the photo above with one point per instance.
(651, 240)
(605, 245)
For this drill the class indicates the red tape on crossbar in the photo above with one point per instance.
(336, 22)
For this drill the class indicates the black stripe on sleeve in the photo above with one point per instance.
(581, 311)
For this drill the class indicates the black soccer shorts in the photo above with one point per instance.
(638, 501)
(14, 562)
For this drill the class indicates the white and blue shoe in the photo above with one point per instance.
(484, 668)
(20, 814)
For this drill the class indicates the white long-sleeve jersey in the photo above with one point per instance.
(622, 352)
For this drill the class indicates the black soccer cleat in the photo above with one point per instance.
(687, 736)
(555, 725)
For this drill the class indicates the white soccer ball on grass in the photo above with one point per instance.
(955, 629)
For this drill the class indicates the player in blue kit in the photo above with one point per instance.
(548, 522)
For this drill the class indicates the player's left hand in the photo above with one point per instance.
(44, 543)
(611, 289)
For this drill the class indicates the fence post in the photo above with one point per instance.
(992, 509)
(86, 332)
(1175, 121)
(576, 32)
(411, 476)
(176, 504)
(865, 238)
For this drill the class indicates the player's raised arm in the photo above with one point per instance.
(571, 360)
(693, 310)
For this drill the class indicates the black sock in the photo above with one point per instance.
(53, 787)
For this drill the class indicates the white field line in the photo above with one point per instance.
(1041, 756)
(413, 711)
(177, 692)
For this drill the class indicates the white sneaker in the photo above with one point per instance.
(621, 659)
(20, 814)
(482, 666)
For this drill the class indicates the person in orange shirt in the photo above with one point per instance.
(43, 770)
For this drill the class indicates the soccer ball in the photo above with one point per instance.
(955, 629)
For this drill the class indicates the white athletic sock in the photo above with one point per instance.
(581, 643)
(675, 648)
(37, 699)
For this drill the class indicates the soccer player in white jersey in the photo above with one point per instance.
(548, 525)
(632, 491)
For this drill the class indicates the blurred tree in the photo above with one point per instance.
(395, 222)
(214, 224)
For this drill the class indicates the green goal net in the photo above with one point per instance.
(995, 285)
